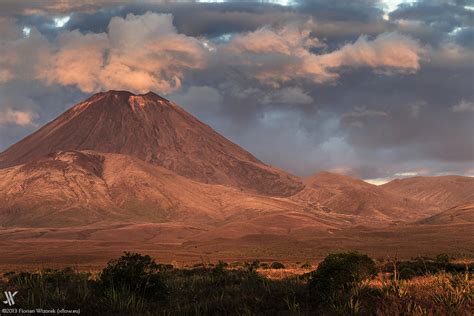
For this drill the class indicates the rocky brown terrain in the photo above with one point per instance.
(442, 191)
(156, 131)
(121, 171)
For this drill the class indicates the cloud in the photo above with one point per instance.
(275, 56)
(290, 95)
(78, 61)
(146, 52)
(464, 106)
(319, 85)
(360, 117)
(62, 6)
(203, 101)
(392, 51)
(451, 55)
(139, 53)
(19, 55)
(22, 118)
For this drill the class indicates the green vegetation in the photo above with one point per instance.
(277, 265)
(306, 265)
(340, 272)
(343, 284)
(422, 266)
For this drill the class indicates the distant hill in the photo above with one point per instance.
(444, 192)
(456, 215)
(346, 195)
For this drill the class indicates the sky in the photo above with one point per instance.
(372, 89)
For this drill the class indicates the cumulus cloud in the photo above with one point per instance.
(19, 55)
(392, 51)
(318, 85)
(276, 56)
(139, 53)
(78, 61)
(464, 106)
(146, 52)
(22, 118)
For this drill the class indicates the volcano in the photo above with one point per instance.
(157, 131)
(126, 171)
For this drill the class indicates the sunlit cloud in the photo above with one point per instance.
(26, 31)
(378, 181)
(61, 21)
(22, 118)
(390, 6)
(407, 174)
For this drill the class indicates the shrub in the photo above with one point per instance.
(306, 265)
(407, 273)
(199, 266)
(221, 265)
(252, 266)
(135, 274)
(442, 259)
(339, 272)
(422, 266)
(237, 264)
(277, 265)
(165, 267)
(264, 265)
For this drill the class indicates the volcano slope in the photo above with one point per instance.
(121, 171)
(156, 131)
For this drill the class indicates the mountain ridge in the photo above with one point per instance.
(443, 191)
(119, 156)
(346, 195)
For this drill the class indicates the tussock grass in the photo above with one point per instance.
(136, 285)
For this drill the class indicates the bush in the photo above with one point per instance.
(339, 272)
(252, 266)
(421, 266)
(407, 273)
(442, 259)
(165, 267)
(277, 265)
(135, 274)
(264, 265)
(306, 265)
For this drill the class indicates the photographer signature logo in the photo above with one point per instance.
(10, 298)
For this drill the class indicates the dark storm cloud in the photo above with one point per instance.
(319, 85)
(445, 16)
(465, 37)
(342, 10)
(193, 19)
(339, 19)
